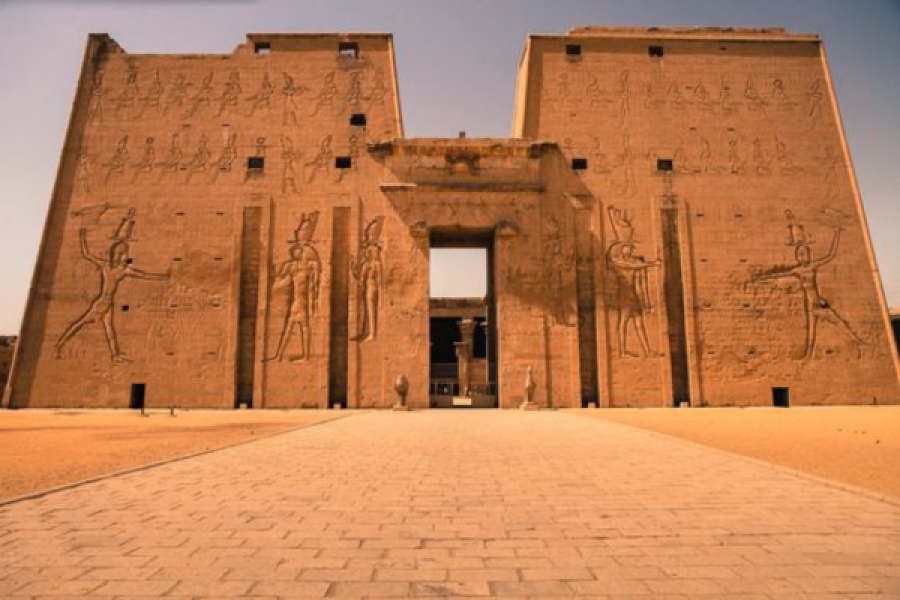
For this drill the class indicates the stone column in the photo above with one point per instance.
(464, 353)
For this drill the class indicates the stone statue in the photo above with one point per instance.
(530, 386)
(401, 386)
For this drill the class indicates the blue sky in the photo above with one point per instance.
(457, 62)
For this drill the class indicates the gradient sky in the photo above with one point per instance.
(457, 62)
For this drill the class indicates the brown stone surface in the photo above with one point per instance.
(436, 503)
(859, 446)
(676, 219)
(43, 449)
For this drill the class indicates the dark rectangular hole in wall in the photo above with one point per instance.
(342, 162)
(256, 163)
(579, 164)
(656, 51)
(262, 47)
(673, 289)
(665, 165)
(138, 396)
(348, 49)
(125, 308)
(338, 341)
(573, 51)
(248, 299)
(781, 397)
(358, 120)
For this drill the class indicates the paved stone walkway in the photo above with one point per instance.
(489, 503)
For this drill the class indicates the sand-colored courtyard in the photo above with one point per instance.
(41, 449)
(856, 445)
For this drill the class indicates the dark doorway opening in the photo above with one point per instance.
(462, 321)
(138, 396)
(781, 397)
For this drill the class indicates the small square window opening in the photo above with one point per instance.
(256, 163)
(573, 51)
(358, 120)
(665, 165)
(579, 164)
(656, 51)
(262, 48)
(348, 49)
(342, 162)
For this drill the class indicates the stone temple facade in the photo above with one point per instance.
(675, 219)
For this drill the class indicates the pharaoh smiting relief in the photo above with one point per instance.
(300, 276)
(806, 272)
(114, 268)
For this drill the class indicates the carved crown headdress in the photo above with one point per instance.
(622, 227)
(373, 231)
(307, 227)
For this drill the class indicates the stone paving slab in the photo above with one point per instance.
(460, 504)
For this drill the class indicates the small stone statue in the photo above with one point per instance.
(530, 386)
(401, 386)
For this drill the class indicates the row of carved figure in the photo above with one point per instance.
(201, 160)
(298, 280)
(300, 277)
(215, 95)
(590, 92)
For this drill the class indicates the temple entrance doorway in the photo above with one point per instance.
(462, 335)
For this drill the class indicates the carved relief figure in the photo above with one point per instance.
(326, 95)
(226, 159)
(95, 106)
(119, 160)
(148, 159)
(263, 97)
(230, 93)
(153, 97)
(172, 162)
(322, 159)
(594, 93)
(354, 91)
(114, 268)
(300, 275)
(599, 159)
(178, 93)
(553, 250)
(628, 183)
(198, 162)
(674, 95)
(129, 96)
(203, 97)
(753, 97)
(708, 162)
(289, 90)
(379, 90)
(806, 272)
(786, 164)
(368, 271)
(83, 173)
(760, 162)
(814, 99)
(624, 97)
(289, 156)
(631, 286)
(735, 162)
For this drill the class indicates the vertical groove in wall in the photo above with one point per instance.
(340, 315)
(587, 326)
(674, 295)
(248, 302)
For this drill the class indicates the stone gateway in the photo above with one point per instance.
(674, 221)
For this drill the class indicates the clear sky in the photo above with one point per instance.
(457, 62)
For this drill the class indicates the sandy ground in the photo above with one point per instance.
(40, 449)
(855, 445)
